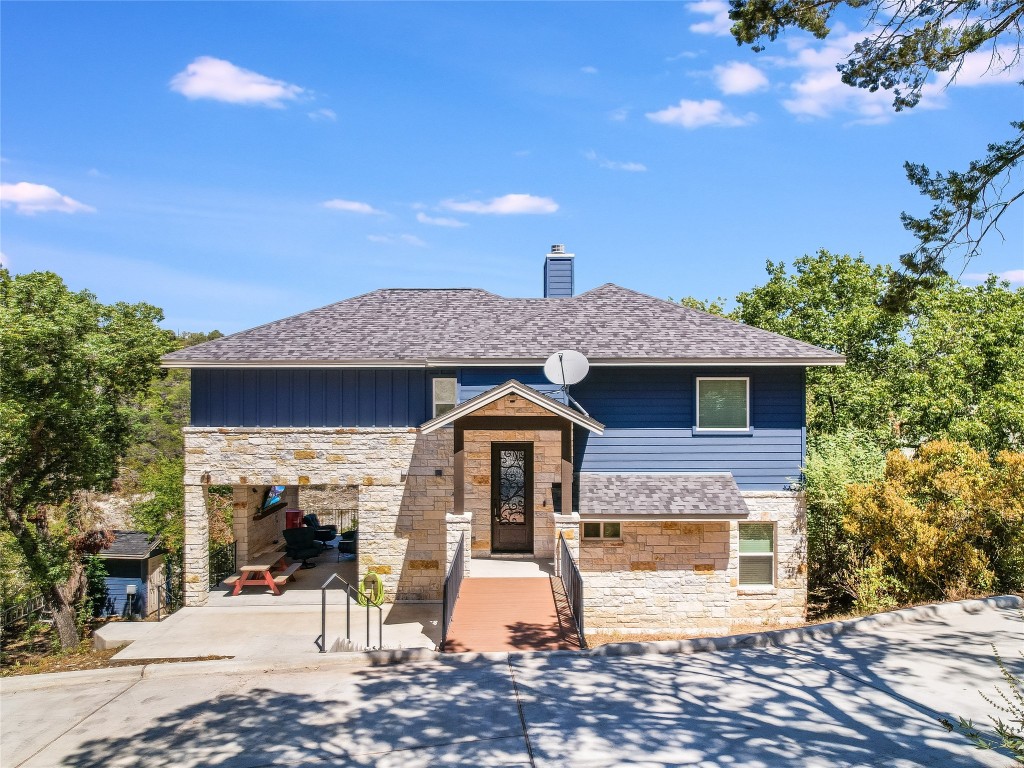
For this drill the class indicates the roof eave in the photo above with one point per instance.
(477, 362)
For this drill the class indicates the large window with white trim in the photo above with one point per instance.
(723, 403)
(757, 554)
(445, 395)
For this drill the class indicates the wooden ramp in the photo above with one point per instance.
(510, 614)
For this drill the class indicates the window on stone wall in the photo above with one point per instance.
(723, 403)
(602, 530)
(445, 392)
(757, 554)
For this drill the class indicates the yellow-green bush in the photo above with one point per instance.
(945, 524)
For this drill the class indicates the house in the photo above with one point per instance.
(670, 473)
(134, 562)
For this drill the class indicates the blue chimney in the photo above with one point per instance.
(558, 282)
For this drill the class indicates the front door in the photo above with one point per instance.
(512, 497)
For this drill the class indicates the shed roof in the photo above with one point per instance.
(132, 545)
(660, 496)
(446, 327)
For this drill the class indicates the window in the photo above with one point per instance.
(757, 554)
(602, 530)
(723, 403)
(444, 396)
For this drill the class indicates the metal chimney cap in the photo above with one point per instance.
(558, 248)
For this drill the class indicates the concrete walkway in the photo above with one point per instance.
(868, 697)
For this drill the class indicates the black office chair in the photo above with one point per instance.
(347, 545)
(323, 533)
(300, 545)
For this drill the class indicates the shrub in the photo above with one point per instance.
(946, 524)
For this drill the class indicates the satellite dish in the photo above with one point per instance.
(566, 367)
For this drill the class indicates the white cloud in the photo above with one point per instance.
(30, 199)
(396, 240)
(700, 114)
(323, 114)
(613, 165)
(588, 70)
(682, 55)
(438, 221)
(96, 173)
(738, 77)
(220, 80)
(3, 259)
(505, 205)
(1013, 276)
(619, 115)
(719, 22)
(350, 206)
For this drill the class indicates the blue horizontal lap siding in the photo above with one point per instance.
(117, 596)
(313, 397)
(649, 417)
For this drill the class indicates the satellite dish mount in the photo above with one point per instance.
(565, 368)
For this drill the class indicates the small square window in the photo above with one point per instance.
(757, 554)
(723, 403)
(445, 395)
(602, 530)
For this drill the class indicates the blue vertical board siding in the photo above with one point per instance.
(312, 397)
(476, 381)
(648, 413)
(649, 416)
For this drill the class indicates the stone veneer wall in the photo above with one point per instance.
(547, 469)
(674, 575)
(402, 499)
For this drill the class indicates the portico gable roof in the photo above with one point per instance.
(511, 387)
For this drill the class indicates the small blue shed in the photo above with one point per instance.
(135, 568)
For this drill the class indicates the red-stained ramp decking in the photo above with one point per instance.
(510, 614)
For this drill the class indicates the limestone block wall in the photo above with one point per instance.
(547, 468)
(786, 602)
(685, 576)
(402, 499)
(658, 575)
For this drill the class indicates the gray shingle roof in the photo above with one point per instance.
(131, 545)
(659, 495)
(419, 326)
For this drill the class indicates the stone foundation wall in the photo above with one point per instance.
(402, 499)
(786, 602)
(658, 575)
(671, 575)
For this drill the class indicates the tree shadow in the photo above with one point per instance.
(740, 707)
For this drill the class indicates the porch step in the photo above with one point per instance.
(508, 614)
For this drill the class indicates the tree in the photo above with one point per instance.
(70, 370)
(832, 301)
(907, 42)
(952, 368)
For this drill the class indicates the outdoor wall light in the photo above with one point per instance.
(438, 472)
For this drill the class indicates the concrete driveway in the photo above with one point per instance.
(867, 697)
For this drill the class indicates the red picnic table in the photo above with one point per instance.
(260, 572)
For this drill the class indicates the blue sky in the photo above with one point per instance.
(236, 163)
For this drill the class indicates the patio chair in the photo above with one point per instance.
(347, 545)
(300, 545)
(324, 533)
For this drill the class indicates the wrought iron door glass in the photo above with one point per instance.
(511, 506)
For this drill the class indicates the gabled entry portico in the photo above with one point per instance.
(513, 467)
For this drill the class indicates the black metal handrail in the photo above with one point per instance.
(452, 585)
(572, 583)
(223, 562)
(350, 594)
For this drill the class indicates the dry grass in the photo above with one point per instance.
(22, 659)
